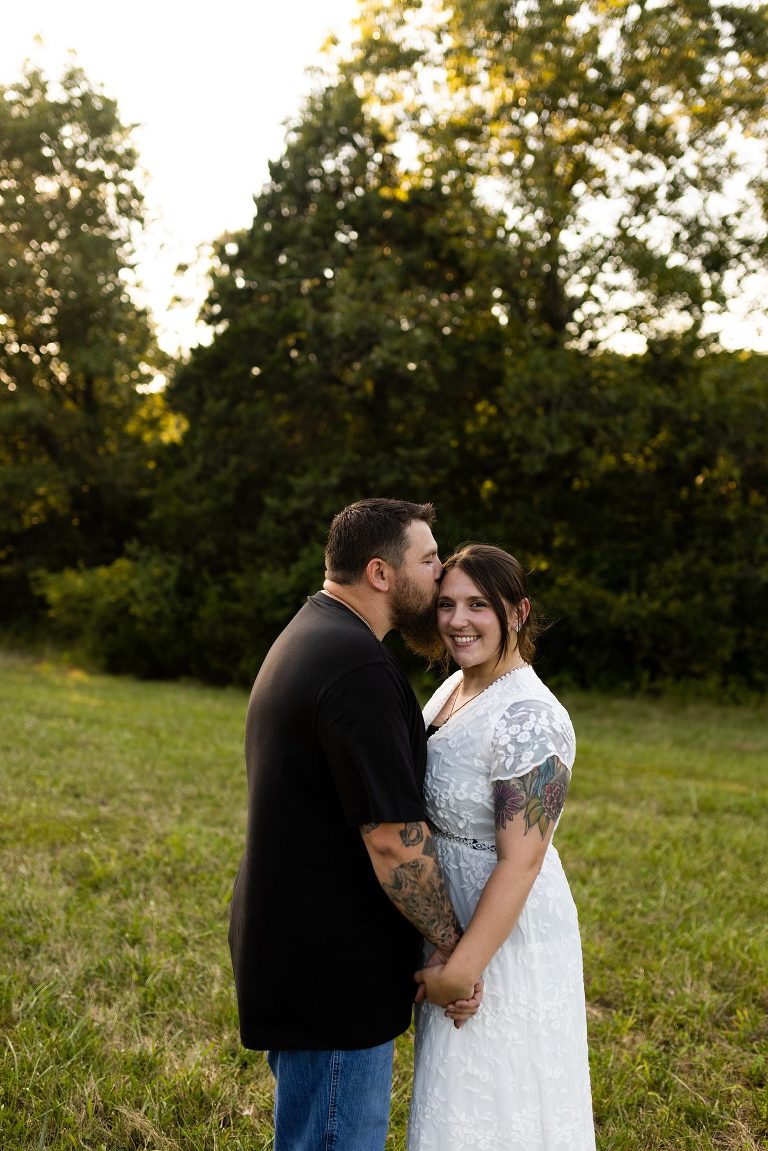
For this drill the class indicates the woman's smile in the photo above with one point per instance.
(468, 625)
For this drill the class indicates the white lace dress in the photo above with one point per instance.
(516, 1075)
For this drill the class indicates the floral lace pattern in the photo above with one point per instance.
(528, 733)
(517, 1074)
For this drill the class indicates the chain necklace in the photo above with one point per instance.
(346, 605)
(455, 710)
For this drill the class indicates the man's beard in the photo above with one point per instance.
(416, 620)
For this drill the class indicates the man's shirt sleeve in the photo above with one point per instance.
(365, 725)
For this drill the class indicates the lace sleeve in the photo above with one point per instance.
(527, 734)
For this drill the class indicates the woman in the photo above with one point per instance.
(501, 751)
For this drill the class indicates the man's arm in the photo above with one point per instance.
(404, 859)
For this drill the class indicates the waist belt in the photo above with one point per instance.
(477, 844)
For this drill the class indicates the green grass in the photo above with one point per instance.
(121, 824)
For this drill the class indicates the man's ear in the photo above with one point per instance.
(379, 574)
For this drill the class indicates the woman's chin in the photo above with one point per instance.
(465, 655)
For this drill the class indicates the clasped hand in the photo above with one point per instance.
(436, 984)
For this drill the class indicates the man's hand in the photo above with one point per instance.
(462, 1007)
(442, 988)
(436, 959)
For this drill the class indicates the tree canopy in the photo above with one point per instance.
(74, 348)
(487, 271)
(625, 142)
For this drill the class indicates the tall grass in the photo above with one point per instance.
(121, 824)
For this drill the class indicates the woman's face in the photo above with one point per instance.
(467, 623)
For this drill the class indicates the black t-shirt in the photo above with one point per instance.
(334, 739)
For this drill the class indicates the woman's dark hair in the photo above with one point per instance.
(503, 582)
(369, 529)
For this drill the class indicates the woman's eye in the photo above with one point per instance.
(479, 603)
(444, 603)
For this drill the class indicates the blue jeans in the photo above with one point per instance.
(332, 1100)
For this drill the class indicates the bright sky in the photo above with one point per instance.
(210, 85)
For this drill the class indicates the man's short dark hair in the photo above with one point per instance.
(369, 529)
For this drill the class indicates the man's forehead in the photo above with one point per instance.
(420, 537)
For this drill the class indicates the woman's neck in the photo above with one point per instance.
(476, 679)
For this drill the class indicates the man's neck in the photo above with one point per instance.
(365, 606)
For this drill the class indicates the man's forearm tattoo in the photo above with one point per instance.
(417, 889)
(412, 834)
(429, 848)
(539, 795)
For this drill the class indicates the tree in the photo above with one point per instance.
(374, 333)
(354, 332)
(624, 144)
(635, 490)
(421, 308)
(624, 139)
(74, 348)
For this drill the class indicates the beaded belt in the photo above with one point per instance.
(476, 843)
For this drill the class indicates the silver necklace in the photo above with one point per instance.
(346, 605)
(455, 710)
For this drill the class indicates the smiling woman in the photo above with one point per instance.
(500, 754)
(483, 602)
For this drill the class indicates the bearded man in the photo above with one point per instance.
(339, 883)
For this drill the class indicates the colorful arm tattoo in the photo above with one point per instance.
(539, 795)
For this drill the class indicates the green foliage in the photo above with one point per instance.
(462, 229)
(73, 346)
(120, 837)
(639, 501)
(625, 141)
(353, 326)
(366, 340)
(127, 614)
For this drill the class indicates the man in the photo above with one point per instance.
(339, 880)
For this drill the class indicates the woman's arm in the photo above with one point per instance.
(526, 811)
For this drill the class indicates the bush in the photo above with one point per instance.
(127, 615)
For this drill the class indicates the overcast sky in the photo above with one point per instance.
(210, 86)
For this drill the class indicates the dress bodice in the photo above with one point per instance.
(511, 727)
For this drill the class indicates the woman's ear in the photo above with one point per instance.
(520, 615)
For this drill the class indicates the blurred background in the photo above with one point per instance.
(506, 257)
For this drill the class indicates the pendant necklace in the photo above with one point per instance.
(455, 710)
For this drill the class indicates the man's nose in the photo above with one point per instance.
(438, 568)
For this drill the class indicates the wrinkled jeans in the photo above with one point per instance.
(332, 1100)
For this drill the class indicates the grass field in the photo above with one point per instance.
(121, 824)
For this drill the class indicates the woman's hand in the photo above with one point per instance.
(463, 1009)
